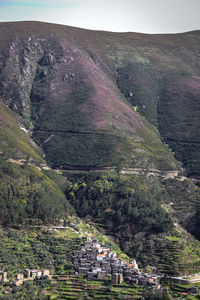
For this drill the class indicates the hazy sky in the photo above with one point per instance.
(150, 16)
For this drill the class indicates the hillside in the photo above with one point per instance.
(78, 87)
(117, 114)
(27, 194)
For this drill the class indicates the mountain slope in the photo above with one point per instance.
(69, 97)
(98, 102)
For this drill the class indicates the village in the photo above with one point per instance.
(97, 261)
(94, 261)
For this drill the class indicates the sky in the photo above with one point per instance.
(148, 16)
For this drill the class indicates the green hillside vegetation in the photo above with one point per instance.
(26, 193)
(119, 201)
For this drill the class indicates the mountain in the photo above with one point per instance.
(117, 114)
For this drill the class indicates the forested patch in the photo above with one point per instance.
(119, 200)
(26, 194)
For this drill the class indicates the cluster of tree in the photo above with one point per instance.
(27, 194)
(122, 200)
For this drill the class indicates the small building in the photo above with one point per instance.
(76, 253)
(63, 277)
(142, 280)
(134, 280)
(117, 278)
(76, 264)
(83, 271)
(19, 276)
(153, 284)
(39, 273)
(95, 270)
(88, 244)
(101, 275)
(95, 244)
(90, 275)
(100, 257)
(93, 257)
(192, 290)
(97, 264)
(3, 276)
(113, 254)
(27, 273)
(33, 273)
(45, 272)
(18, 282)
(134, 264)
(114, 269)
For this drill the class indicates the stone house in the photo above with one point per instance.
(101, 275)
(193, 290)
(97, 264)
(3, 276)
(39, 273)
(36, 273)
(19, 276)
(88, 244)
(100, 257)
(27, 273)
(45, 272)
(134, 280)
(117, 278)
(95, 270)
(18, 282)
(83, 271)
(90, 275)
(33, 273)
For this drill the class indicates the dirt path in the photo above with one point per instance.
(83, 170)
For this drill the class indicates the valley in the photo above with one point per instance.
(101, 128)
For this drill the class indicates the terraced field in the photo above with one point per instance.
(172, 254)
(79, 288)
(20, 250)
